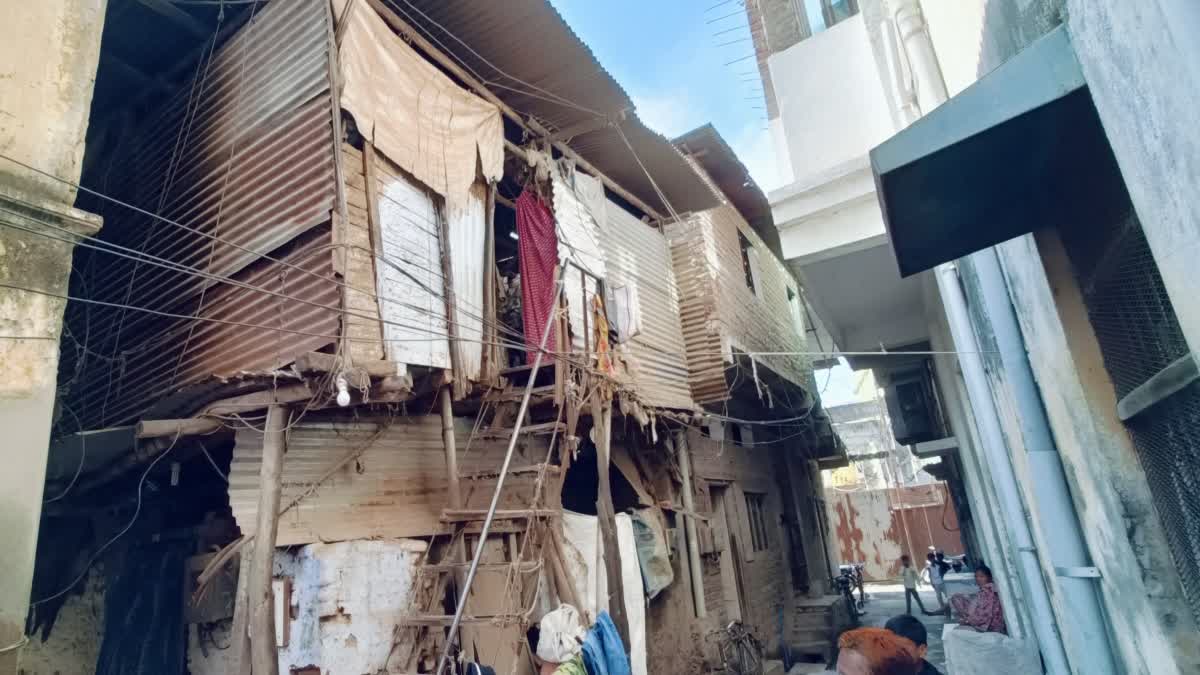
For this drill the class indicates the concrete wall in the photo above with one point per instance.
(48, 56)
(1152, 624)
(1142, 64)
(831, 98)
(74, 643)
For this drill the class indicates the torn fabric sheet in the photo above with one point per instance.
(414, 114)
(537, 245)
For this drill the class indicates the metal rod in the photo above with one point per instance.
(508, 455)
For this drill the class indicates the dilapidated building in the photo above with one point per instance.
(401, 330)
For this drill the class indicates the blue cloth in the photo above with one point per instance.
(603, 652)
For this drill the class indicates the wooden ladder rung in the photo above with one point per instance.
(512, 471)
(517, 393)
(524, 568)
(527, 430)
(447, 619)
(470, 515)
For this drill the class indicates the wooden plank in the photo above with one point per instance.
(184, 427)
(607, 517)
(239, 631)
(282, 588)
(262, 610)
(491, 350)
(468, 515)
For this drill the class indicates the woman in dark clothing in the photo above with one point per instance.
(910, 627)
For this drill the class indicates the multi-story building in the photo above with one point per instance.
(1011, 189)
(400, 327)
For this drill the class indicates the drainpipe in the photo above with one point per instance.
(1066, 548)
(995, 452)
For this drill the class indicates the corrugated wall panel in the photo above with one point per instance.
(694, 265)
(756, 322)
(579, 240)
(466, 226)
(638, 254)
(410, 277)
(243, 153)
(396, 488)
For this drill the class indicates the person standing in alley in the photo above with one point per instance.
(911, 580)
(935, 571)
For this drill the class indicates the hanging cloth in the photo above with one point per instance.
(537, 245)
(603, 651)
(604, 361)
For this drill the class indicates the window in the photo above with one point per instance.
(756, 509)
(750, 264)
(797, 311)
(822, 14)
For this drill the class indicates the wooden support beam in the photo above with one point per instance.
(492, 358)
(374, 225)
(684, 455)
(602, 430)
(452, 486)
(461, 386)
(260, 399)
(239, 632)
(263, 656)
(195, 426)
(418, 41)
(320, 362)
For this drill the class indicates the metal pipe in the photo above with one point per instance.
(1066, 548)
(465, 591)
(689, 523)
(448, 443)
(995, 452)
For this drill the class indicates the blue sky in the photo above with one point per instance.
(664, 53)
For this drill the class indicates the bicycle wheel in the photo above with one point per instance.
(746, 658)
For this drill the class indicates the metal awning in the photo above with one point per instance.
(1017, 151)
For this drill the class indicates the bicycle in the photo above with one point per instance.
(740, 652)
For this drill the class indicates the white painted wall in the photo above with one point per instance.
(831, 98)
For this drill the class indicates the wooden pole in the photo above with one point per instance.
(490, 365)
(684, 455)
(602, 421)
(239, 635)
(263, 656)
(453, 490)
(459, 380)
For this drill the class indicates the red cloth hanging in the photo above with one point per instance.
(537, 245)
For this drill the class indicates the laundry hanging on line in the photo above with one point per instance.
(537, 245)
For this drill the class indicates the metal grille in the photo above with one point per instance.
(1139, 335)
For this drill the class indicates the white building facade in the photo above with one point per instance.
(1017, 182)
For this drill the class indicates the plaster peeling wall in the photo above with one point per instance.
(74, 642)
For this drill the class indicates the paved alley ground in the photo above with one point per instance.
(887, 600)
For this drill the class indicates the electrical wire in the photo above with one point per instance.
(136, 512)
(82, 457)
(212, 462)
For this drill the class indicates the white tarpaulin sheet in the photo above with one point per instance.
(581, 535)
(410, 275)
(414, 114)
(972, 653)
(466, 224)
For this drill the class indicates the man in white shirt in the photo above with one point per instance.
(911, 580)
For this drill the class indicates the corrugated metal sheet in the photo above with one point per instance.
(638, 255)
(579, 241)
(529, 54)
(396, 488)
(693, 264)
(466, 227)
(756, 322)
(410, 278)
(744, 320)
(246, 154)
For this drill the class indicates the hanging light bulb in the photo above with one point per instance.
(343, 391)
